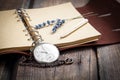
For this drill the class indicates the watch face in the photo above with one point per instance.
(45, 53)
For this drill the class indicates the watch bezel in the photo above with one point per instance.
(39, 44)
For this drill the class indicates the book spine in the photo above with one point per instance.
(26, 18)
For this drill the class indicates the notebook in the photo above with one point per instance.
(15, 36)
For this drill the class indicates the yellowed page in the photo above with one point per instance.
(11, 31)
(63, 11)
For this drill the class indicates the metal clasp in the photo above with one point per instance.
(68, 61)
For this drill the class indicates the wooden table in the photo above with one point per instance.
(90, 63)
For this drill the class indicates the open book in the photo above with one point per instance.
(13, 34)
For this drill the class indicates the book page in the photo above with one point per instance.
(63, 11)
(11, 31)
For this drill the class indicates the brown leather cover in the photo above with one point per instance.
(27, 53)
(105, 25)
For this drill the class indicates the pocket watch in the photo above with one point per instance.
(45, 53)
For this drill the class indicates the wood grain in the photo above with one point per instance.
(83, 68)
(7, 66)
(2, 66)
(109, 62)
(46, 3)
(10, 4)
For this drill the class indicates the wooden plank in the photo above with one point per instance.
(10, 4)
(109, 62)
(46, 3)
(7, 66)
(4, 74)
(2, 65)
(13, 4)
(84, 68)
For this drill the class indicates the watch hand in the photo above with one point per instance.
(44, 52)
(42, 47)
